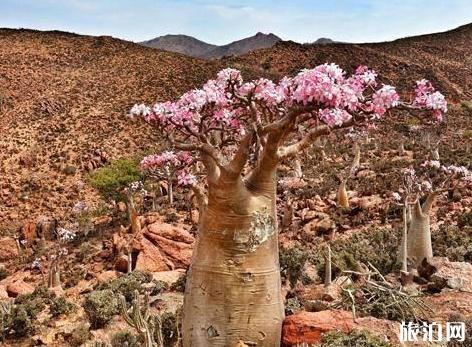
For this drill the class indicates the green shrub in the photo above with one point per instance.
(60, 306)
(179, 285)
(467, 106)
(127, 284)
(353, 339)
(453, 242)
(35, 302)
(21, 323)
(292, 306)
(110, 180)
(159, 287)
(79, 335)
(170, 328)
(465, 219)
(100, 307)
(125, 338)
(292, 261)
(3, 273)
(378, 247)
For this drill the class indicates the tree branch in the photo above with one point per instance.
(200, 196)
(236, 166)
(309, 138)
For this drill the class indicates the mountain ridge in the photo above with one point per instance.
(194, 47)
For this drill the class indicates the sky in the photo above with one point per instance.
(224, 21)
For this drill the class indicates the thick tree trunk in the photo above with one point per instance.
(342, 195)
(419, 236)
(170, 192)
(328, 279)
(233, 290)
(404, 247)
(54, 277)
(435, 154)
(357, 156)
(297, 168)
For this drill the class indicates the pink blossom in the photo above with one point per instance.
(165, 159)
(427, 97)
(383, 99)
(186, 179)
(334, 116)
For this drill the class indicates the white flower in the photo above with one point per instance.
(139, 110)
(432, 163)
(426, 186)
(36, 264)
(65, 234)
(396, 196)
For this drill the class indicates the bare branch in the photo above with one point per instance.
(309, 138)
(430, 201)
(236, 166)
(200, 196)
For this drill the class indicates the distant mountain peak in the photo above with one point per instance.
(191, 46)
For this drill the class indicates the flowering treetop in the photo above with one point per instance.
(228, 116)
(431, 177)
(170, 165)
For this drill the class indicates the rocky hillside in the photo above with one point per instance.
(181, 44)
(63, 101)
(196, 48)
(444, 58)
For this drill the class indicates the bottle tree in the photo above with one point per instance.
(241, 131)
(171, 167)
(424, 184)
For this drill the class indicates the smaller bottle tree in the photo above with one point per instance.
(420, 189)
(172, 167)
(56, 253)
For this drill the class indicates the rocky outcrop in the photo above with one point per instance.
(159, 247)
(307, 327)
(8, 249)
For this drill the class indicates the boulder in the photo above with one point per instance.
(3, 292)
(121, 263)
(150, 258)
(443, 273)
(320, 226)
(19, 287)
(106, 276)
(28, 231)
(307, 327)
(8, 249)
(367, 202)
(169, 277)
(163, 247)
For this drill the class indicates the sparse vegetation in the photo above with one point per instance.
(60, 306)
(62, 136)
(101, 306)
(354, 339)
(110, 180)
(79, 335)
(127, 284)
(125, 338)
(292, 261)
